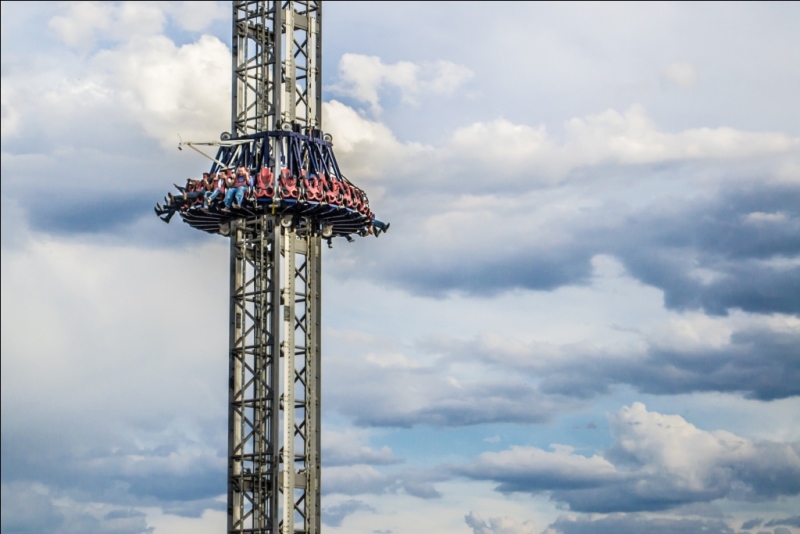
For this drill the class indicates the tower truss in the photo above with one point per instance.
(275, 284)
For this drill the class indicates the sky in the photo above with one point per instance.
(584, 319)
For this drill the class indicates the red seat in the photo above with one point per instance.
(264, 186)
(288, 185)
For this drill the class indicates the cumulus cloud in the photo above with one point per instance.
(105, 117)
(348, 448)
(793, 521)
(704, 253)
(494, 377)
(529, 469)
(758, 360)
(35, 508)
(497, 525)
(81, 24)
(433, 394)
(171, 89)
(363, 78)
(363, 479)
(334, 514)
(633, 524)
(536, 154)
(657, 462)
(367, 150)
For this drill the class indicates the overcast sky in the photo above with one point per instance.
(585, 318)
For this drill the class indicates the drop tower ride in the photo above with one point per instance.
(295, 197)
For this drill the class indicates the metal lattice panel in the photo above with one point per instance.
(274, 408)
(259, 59)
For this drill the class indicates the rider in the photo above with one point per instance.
(237, 186)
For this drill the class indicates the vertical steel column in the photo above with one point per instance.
(289, 370)
(274, 386)
(313, 363)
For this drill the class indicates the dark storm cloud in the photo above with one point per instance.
(632, 524)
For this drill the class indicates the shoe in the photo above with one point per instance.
(387, 227)
(165, 219)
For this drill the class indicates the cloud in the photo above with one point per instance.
(348, 448)
(757, 360)
(704, 253)
(497, 525)
(793, 521)
(86, 123)
(495, 377)
(141, 456)
(334, 514)
(681, 74)
(365, 479)
(657, 462)
(366, 150)
(171, 89)
(29, 508)
(364, 77)
(433, 394)
(83, 22)
(752, 523)
(633, 524)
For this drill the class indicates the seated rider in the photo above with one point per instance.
(238, 186)
(376, 227)
(194, 190)
(214, 188)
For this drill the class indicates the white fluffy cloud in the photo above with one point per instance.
(364, 77)
(82, 23)
(657, 462)
(169, 89)
(348, 448)
(143, 82)
(610, 137)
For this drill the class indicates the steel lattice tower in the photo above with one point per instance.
(274, 387)
(290, 194)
